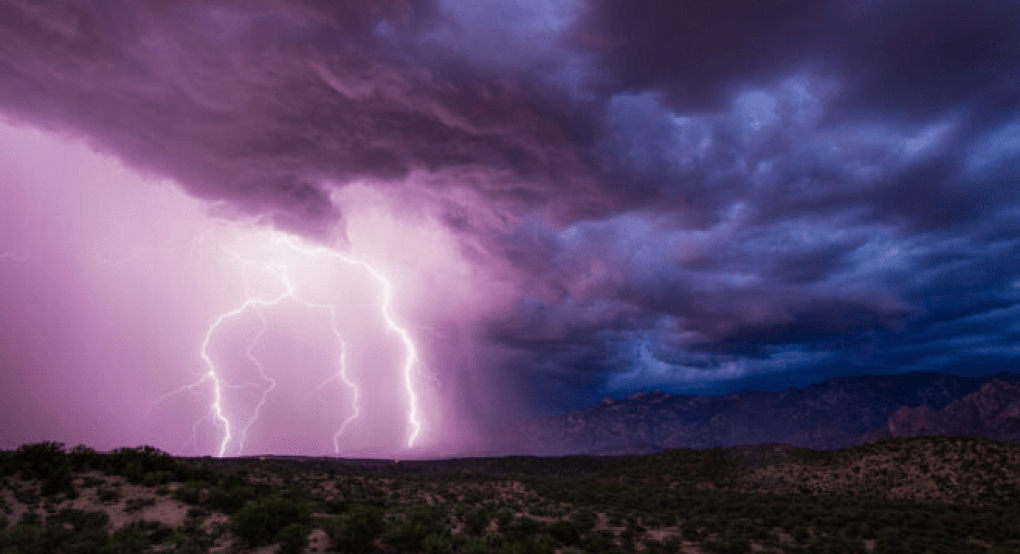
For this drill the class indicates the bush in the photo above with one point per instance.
(585, 519)
(108, 494)
(36, 461)
(440, 543)
(190, 492)
(45, 461)
(475, 521)
(230, 498)
(409, 535)
(135, 463)
(128, 540)
(258, 522)
(82, 458)
(356, 530)
(336, 505)
(293, 538)
(565, 532)
(190, 543)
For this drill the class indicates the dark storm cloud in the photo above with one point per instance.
(262, 106)
(678, 188)
(896, 57)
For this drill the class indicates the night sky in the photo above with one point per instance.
(392, 228)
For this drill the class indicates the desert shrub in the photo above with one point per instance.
(336, 505)
(231, 497)
(419, 522)
(504, 518)
(37, 460)
(81, 519)
(137, 504)
(82, 458)
(728, 546)
(293, 537)
(672, 544)
(190, 492)
(194, 517)
(156, 478)
(128, 540)
(585, 519)
(45, 461)
(691, 531)
(473, 545)
(31, 517)
(565, 532)
(524, 526)
(136, 463)
(59, 480)
(195, 542)
(599, 542)
(108, 494)
(258, 522)
(6, 463)
(441, 543)
(356, 530)
(530, 545)
(475, 520)
(23, 538)
(156, 532)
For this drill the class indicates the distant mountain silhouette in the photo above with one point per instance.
(830, 415)
(993, 412)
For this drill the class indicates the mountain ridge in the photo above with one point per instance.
(832, 414)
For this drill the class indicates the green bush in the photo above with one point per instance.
(230, 498)
(356, 530)
(82, 458)
(440, 543)
(258, 522)
(293, 538)
(474, 545)
(475, 520)
(409, 535)
(156, 478)
(336, 505)
(129, 540)
(190, 492)
(586, 520)
(135, 463)
(47, 462)
(37, 460)
(192, 542)
(528, 545)
(108, 494)
(565, 532)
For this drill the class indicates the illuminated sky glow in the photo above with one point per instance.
(391, 228)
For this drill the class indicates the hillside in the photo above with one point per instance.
(925, 494)
(828, 415)
(992, 412)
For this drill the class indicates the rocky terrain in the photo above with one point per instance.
(833, 414)
(992, 412)
(917, 494)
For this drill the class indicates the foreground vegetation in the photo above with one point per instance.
(931, 494)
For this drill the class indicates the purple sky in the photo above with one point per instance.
(565, 200)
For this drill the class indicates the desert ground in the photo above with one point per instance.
(926, 494)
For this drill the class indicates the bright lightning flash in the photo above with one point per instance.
(281, 270)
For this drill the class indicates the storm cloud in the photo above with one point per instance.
(676, 195)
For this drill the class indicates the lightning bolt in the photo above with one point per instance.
(289, 292)
(212, 374)
(411, 360)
